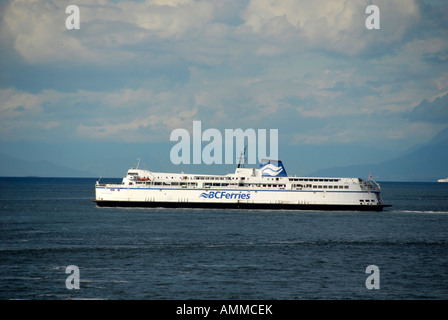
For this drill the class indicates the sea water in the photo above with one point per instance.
(49, 224)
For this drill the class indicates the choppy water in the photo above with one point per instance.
(48, 224)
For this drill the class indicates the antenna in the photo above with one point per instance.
(138, 163)
(242, 158)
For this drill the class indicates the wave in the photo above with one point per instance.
(424, 211)
(271, 170)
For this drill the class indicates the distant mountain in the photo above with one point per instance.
(11, 167)
(426, 163)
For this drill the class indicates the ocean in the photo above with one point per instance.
(49, 224)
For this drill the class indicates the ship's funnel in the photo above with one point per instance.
(272, 168)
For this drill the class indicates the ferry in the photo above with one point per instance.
(443, 180)
(268, 188)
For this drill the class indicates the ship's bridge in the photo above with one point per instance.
(135, 175)
(247, 172)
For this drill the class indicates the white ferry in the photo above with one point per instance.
(268, 187)
(443, 180)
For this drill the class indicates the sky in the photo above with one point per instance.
(98, 97)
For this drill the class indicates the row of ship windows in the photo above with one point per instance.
(319, 186)
(192, 184)
(199, 178)
(214, 184)
(243, 178)
(314, 179)
(211, 184)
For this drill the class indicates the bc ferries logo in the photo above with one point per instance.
(225, 195)
(271, 168)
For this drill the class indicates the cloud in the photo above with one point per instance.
(117, 32)
(149, 127)
(337, 26)
(21, 113)
(126, 115)
(434, 111)
(14, 103)
(36, 29)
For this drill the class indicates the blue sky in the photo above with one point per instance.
(98, 97)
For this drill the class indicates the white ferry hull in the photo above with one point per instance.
(247, 199)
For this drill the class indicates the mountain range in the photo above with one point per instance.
(13, 167)
(423, 163)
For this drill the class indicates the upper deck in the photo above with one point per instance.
(243, 178)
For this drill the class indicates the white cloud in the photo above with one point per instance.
(22, 111)
(14, 103)
(126, 115)
(325, 136)
(111, 31)
(148, 127)
(36, 29)
(336, 25)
